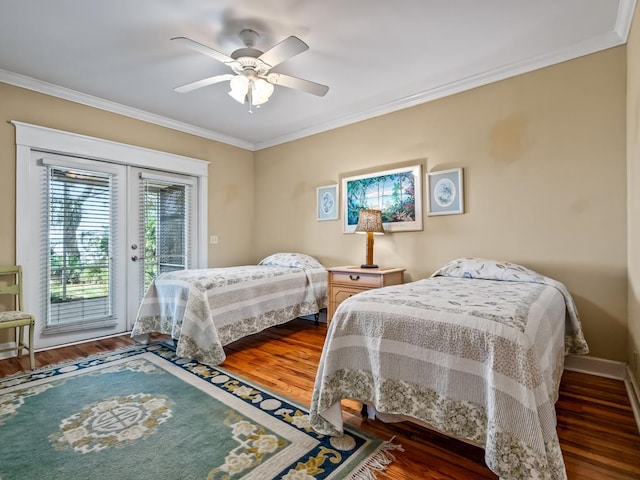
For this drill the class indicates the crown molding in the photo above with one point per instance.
(29, 83)
(624, 19)
(611, 39)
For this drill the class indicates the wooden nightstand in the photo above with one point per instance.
(345, 282)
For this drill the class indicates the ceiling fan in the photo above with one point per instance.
(253, 79)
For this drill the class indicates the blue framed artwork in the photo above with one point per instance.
(327, 202)
(446, 195)
(396, 192)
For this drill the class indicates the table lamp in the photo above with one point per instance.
(370, 222)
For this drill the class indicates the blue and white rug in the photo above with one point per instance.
(145, 413)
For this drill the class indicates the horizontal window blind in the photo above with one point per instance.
(79, 219)
(166, 227)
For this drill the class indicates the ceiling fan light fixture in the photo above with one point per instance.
(256, 89)
(239, 85)
(262, 90)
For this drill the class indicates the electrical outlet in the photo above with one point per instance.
(213, 239)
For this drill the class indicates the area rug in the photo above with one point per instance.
(145, 413)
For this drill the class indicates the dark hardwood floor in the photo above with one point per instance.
(597, 430)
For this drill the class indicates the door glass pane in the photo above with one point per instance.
(165, 218)
(79, 246)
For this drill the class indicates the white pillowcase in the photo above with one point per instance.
(487, 269)
(295, 260)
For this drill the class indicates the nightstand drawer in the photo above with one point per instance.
(357, 279)
(340, 294)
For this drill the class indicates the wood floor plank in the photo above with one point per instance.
(598, 433)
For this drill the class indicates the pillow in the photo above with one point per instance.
(294, 260)
(487, 269)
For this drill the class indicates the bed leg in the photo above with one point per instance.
(316, 316)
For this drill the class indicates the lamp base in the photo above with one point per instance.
(368, 266)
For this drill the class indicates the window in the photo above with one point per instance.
(79, 245)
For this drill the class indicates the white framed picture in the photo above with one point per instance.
(396, 192)
(446, 195)
(327, 202)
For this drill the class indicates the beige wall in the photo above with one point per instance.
(633, 180)
(545, 185)
(230, 209)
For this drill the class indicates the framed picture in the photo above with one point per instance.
(446, 196)
(397, 193)
(327, 202)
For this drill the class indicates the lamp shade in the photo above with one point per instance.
(239, 87)
(370, 221)
(258, 90)
(262, 90)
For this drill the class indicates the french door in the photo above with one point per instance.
(162, 229)
(96, 220)
(103, 233)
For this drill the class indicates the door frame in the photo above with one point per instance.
(33, 138)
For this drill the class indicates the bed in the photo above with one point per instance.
(476, 351)
(205, 309)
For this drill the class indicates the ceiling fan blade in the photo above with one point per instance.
(203, 83)
(284, 50)
(199, 47)
(298, 84)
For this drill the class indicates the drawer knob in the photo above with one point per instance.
(357, 277)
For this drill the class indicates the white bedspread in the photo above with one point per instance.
(206, 309)
(477, 358)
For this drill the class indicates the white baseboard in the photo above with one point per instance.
(8, 354)
(633, 390)
(595, 366)
(609, 369)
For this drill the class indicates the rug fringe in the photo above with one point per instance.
(378, 462)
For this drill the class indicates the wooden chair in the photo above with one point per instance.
(17, 319)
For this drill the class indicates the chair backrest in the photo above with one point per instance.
(13, 285)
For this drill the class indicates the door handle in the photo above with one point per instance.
(135, 258)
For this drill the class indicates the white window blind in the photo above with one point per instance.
(165, 222)
(80, 233)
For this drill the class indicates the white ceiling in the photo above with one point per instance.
(377, 56)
